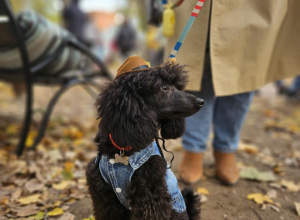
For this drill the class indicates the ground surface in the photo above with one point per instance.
(50, 183)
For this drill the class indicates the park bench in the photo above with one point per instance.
(35, 51)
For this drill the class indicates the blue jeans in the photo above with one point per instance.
(295, 87)
(225, 114)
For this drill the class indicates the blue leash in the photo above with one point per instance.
(187, 28)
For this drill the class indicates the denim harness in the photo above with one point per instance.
(119, 175)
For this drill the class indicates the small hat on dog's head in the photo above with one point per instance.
(133, 63)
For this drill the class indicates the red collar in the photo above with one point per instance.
(127, 148)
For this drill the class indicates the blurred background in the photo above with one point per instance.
(100, 26)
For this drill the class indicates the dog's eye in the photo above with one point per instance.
(165, 88)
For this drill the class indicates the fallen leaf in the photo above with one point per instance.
(253, 174)
(34, 169)
(70, 201)
(70, 155)
(275, 208)
(19, 167)
(29, 199)
(38, 216)
(203, 191)
(68, 171)
(69, 166)
(82, 181)
(248, 148)
(16, 194)
(269, 113)
(275, 185)
(65, 207)
(290, 185)
(55, 212)
(258, 198)
(203, 199)
(55, 155)
(73, 133)
(12, 129)
(55, 171)
(27, 211)
(61, 186)
(58, 203)
(90, 218)
(30, 138)
(278, 168)
(33, 185)
(272, 194)
(297, 207)
(296, 154)
(4, 201)
(67, 216)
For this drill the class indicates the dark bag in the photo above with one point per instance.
(155, 12)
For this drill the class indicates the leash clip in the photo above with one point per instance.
(122, 152)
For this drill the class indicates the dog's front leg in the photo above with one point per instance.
(148, 193)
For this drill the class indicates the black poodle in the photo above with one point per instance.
(133, 108)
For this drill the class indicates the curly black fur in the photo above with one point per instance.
(172, 128)
(132, 109)
(192, 202)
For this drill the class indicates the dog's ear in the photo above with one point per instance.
(172, 128)
(124, 114)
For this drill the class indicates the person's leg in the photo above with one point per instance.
(229, 115)
(295, 87)
(196, 135)
(281, 88)
(198, 126)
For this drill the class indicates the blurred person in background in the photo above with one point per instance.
(75, 20)
(292, 91)
(155, 45)
(233, 48)
(94, 37)
(126, 38)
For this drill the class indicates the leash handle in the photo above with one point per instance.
(187, 27)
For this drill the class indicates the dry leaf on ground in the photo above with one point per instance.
(259, 198)
(297, 207)
(278, 168)
(203, 191)
(67, 216)
(29, 199)
(33, 185)
(253, 174)
(61, 186)
(248, 148)
(290, 185)
(16, 194)
(4, 201)
(90, 218)
(56, 212)
(27, 211)
(272, 194)
(38, 216)
(275, 208)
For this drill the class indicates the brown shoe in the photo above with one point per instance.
(191, 167)
(226, 168)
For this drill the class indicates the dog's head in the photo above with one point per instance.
(135, 105)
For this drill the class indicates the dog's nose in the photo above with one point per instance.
(200, 102)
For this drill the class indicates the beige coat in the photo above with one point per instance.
(252, 42)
